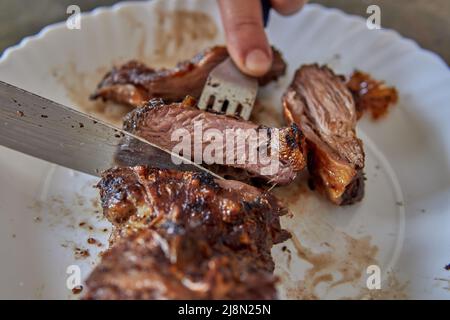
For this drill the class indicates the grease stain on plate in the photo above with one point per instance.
(320, 258)
(74, 218)
(80, 85)
(180, 35)
(332, 247)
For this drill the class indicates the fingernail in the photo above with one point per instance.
(257, 61)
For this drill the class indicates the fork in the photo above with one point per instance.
(227, 89)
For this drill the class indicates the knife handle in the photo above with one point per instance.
(266, 6)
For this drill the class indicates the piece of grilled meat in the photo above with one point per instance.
(239, 149)
(371, 95)
(185, 235)
(135, 83)
(319, 102)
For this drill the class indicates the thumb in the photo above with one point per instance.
(246, 39)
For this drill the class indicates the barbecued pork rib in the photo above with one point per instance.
(184, 235)
(157, 122)
(135, 83)
(321, 105)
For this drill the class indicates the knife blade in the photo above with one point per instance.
(45, 129)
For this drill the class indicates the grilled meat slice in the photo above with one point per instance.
(137, 268)
(135, 83)
(185, 235)
(319, 102)
(237, 143)
(371, 95)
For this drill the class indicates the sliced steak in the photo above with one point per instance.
(135, 83)
(319, 102)
(257, 153)
(184, 235)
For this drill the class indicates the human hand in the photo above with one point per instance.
(244, 32)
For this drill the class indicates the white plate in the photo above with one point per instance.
(401, 225)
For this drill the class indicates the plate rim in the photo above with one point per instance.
(310, 6)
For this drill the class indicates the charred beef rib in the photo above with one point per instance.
(135, 83)
(159, 123)
(319, 102)
(184, 235)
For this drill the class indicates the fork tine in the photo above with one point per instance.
(204, 99)
(229, 88)
(231, 108)
(218, 104)
(246, 111)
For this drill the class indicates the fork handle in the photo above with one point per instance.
(266, 6)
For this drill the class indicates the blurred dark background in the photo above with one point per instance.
(426, 21)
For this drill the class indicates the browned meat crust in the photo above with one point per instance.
(184, 235)
(371, 95)
(156, 122)
(135, 83)
(321, 105)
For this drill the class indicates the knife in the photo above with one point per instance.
(51, 131)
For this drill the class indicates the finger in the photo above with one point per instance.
(287, 7)
(246, 39)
